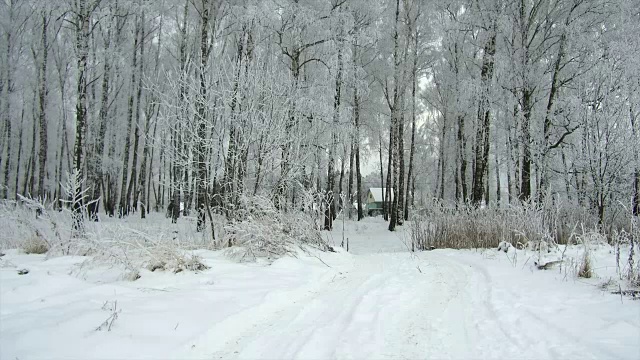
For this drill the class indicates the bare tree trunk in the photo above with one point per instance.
(124, 192)
(401, 195)
(9, 89)
(201, 108)
(414, 72)
(19, 157)
(63, 135)
(176, 136)
(441, 158)
(111, 182)
(341, 204)
(462, 154)
(260, 155)
(498, 185)
(484, 116)
(25, 181)
(94, 165)
(635, 202)
(525, 184)
(232, 163)
(387, 195)
(567, 178)
(393, 218)
(356, 115)
(150, 115)
(330, 211)
(42, 97)
(349, 197)
(142, 187)
(393, 151)
(33, 155)
(82, 24)
(544, 172)
(382, 183)
(132, 190)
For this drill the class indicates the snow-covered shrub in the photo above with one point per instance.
(264, 231)
(419, 235)
(133, 249)
(464, 225)
(538, 227)
(29, 219)
(504, 246)
(32, 225)
(584, 266)
(174, 260)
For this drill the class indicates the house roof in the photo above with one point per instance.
(378, 193)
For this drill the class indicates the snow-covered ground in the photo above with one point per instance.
(377, 301)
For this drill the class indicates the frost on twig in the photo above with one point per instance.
(112, 308)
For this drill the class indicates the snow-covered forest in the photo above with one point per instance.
(190, 135)
(212, 103)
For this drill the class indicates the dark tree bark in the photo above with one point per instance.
(386, 194)
(441, 159)
(142, 186)
(484, 116)
(358, 173)
(394, 131)
(125, 199)
(635, 201)
(201, 109)
(9, 89)
(412, 150)
(43, 91)
(349, 197)
(19, 157)
(341, 181)
(498, 184)
(31, 178)
(232, 161)
(331, 210)
(395, 178)
(94, 165)
(176, 136)
(525, 183)
(82, 24)
(401, 189)
(382, 183)
(132, 190)
(150, 114)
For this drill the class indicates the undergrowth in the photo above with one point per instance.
(257, 230)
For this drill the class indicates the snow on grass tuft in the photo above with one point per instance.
(35, 245)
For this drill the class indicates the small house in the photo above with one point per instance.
(375, 199)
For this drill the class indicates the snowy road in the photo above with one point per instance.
(390, 306)
(376, 302)
(382, 307)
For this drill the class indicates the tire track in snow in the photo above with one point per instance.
(383, 308)
(526, 333)
(312, 326)
(490, 320)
